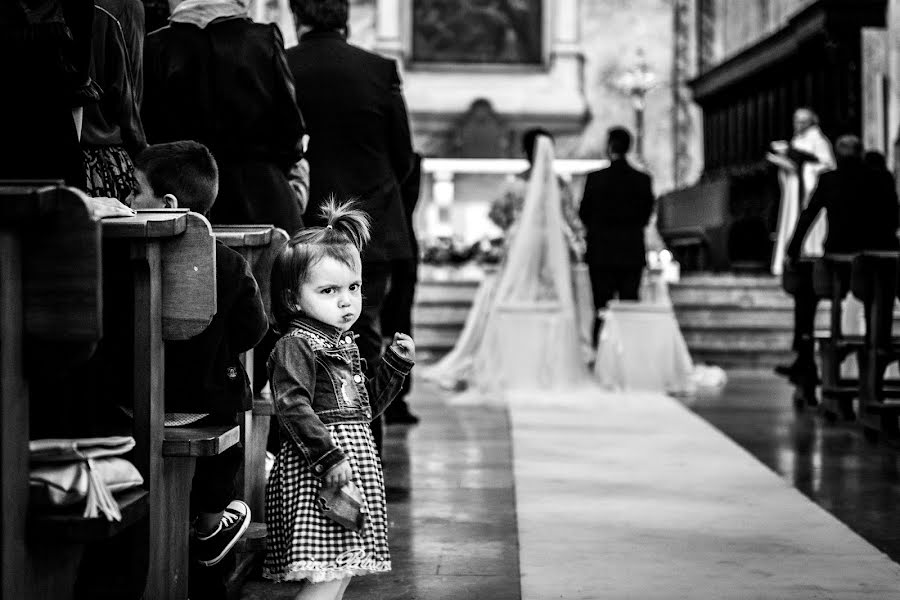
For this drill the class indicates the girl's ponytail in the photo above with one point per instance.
(347, 220)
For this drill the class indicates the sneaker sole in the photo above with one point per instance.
(214, 561)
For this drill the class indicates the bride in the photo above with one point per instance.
(525, 329)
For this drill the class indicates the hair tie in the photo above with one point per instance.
(329, 226)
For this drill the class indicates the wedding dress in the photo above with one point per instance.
(523, 331)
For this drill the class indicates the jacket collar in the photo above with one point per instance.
(327, 332)
(321, 34)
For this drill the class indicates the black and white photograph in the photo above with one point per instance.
(450, 299)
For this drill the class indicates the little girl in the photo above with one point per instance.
(324, 405)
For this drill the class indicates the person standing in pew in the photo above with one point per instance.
(324, 404)
(861, 214)
(205, 381)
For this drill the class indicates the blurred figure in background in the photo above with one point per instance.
(396, 315)
(616, 207)
(800, 163)
(861, 210)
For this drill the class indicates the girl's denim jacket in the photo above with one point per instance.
(317, 380)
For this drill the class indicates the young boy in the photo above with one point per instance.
(205, 381)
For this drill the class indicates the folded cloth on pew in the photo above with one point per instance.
(65, 472)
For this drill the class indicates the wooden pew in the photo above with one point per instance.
(172, 269)
(875, 283)
(50, 291)
(260, 245)
(831, 281)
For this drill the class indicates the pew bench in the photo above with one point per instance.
(50, 286)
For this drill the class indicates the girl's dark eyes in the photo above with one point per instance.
(327, 290)
(354, 287)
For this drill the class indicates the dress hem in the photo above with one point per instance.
(320, 576)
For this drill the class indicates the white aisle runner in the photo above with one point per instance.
(632, 496)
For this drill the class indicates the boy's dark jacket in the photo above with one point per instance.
(203, 374)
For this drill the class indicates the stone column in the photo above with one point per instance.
(893, 79)
(389, 25)
(565, 38)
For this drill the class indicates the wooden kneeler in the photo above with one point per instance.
(50, 290)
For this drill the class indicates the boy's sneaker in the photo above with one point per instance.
(209, 549)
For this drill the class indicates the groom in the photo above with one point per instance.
(616, 207)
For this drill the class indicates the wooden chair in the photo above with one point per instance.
(172, 268)
(874, 282)
(50, 285)
(831, 281)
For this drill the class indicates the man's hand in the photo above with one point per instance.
(338, 475)
(404, 346)
(108, 207)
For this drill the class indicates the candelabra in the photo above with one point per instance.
(636, 82)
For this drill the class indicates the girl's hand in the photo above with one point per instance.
(338, 475)
(404, 346)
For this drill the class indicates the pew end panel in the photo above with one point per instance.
(51, 288)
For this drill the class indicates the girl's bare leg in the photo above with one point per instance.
(326, 590)
(345, 582)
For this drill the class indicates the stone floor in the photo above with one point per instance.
(456, 528)
(451, 507)
(856, 481)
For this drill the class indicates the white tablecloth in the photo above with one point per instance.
(641, 348)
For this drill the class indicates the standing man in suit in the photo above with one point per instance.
(616, 207)
(861, 212)
(359, 145)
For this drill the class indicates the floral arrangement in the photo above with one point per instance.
(450, 251)
(505, 209)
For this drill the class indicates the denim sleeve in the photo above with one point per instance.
(292, 373)
(385, 384)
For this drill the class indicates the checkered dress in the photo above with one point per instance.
(305, 544)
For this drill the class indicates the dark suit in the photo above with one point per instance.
(862, 214)
(359, 148)
(615, 209)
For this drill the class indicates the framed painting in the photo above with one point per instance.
(498, 32)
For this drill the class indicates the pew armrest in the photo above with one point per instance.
(70, 526)
(200, 441)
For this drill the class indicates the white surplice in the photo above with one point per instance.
(811, 140)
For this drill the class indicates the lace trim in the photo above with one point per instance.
(324, 574)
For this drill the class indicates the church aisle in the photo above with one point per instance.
(633, 496)
(451, 507)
